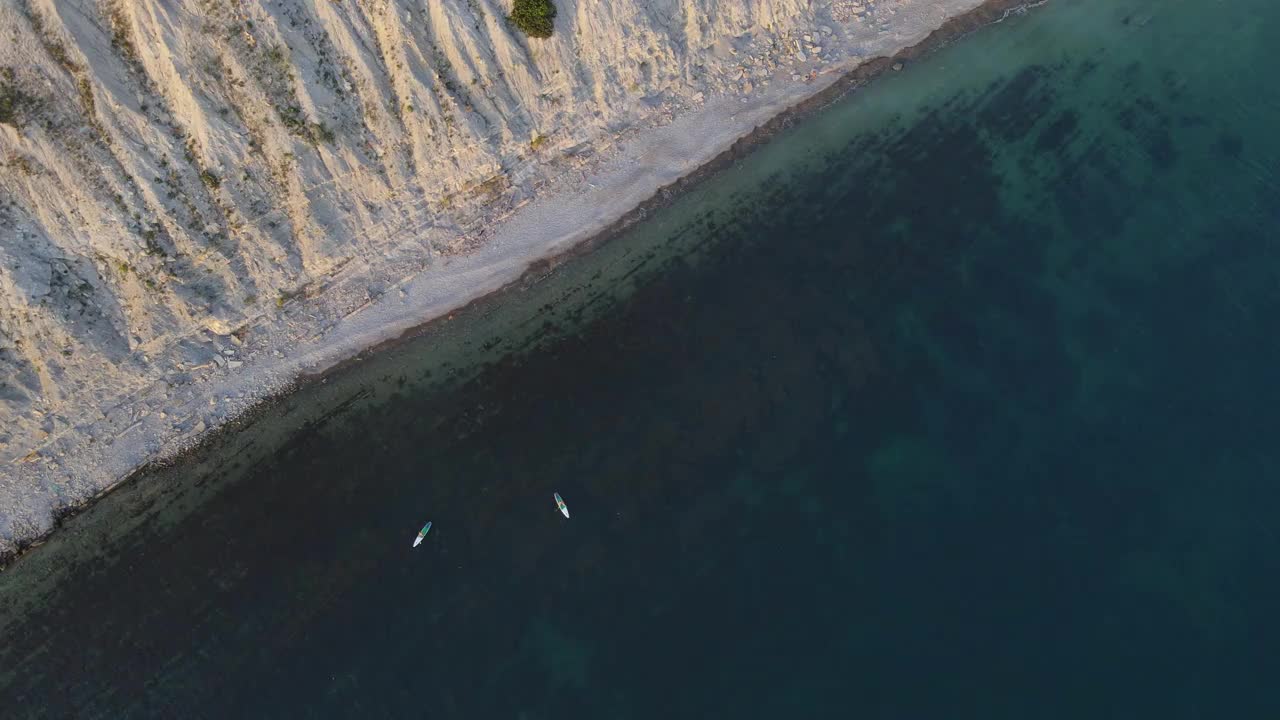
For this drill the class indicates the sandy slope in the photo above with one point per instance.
(200, 199)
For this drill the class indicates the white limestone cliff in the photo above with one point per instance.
(180, 179)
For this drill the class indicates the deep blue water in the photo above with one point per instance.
(960, 400)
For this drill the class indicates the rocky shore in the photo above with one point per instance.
(173, 255)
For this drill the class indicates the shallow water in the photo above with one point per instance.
(957, 401)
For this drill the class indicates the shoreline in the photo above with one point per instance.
(989, 13)
(490, 274)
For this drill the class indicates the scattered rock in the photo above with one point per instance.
(897, 66)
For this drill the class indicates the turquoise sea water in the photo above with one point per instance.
(958, 400)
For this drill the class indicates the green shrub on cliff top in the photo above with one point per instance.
(533, 17)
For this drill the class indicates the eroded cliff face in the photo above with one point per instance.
(175, 168)
(202, 199)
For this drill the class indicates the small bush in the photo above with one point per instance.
(153, 248)
(320, 133)
(21, 163)
(86, 95)
(15, 105)
(534, 17)
(293, 119)
(210, 180)
(121, 35)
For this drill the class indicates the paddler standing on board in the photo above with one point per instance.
(422, 533)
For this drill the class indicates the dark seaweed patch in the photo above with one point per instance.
(1160, 148)
(1058, 132)
(1013, 108)
(1229, 145)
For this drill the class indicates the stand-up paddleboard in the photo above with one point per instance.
(422, 533)
(560, 504)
